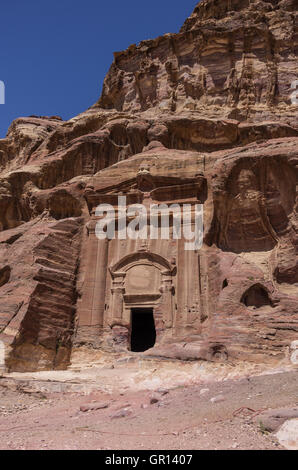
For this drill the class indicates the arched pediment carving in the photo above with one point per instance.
(133, 259)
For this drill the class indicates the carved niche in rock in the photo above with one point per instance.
(10, 216)
(246, 226)
(256, 296)
(280, 192)
(4, 275)
(62, 205)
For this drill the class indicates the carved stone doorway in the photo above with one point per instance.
(143, 332)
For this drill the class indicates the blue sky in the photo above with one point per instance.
(54, 54)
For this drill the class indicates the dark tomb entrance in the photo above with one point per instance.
(143, 333)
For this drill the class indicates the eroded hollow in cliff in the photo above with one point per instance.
(143, 332)
(63, 205)
(256, 296)
(4, 275)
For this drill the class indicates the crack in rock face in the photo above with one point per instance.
(4, 275)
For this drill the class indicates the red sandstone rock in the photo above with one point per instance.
(154, 399)
(204, 115)
(121, 413)
(272, 420)
(93, 407)
(218, 399)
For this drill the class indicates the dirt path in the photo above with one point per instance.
(183, 418)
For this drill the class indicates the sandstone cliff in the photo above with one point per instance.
(214, 100)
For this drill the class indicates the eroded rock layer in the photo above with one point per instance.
(205, 116)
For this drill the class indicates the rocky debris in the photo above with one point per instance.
(17, 402)
(163, 391)
(123, 413)
(189, 421)
(154, 399)
(218, 399)
(234, 446)
(94, 407)
(200, 424)
(272, 420)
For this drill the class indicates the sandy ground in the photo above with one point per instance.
(189, 416)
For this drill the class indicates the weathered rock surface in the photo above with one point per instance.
(205, 116)
(93, 407)
(272, 420)
(288, 434)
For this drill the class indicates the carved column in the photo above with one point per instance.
(85, 314)
(93, 298)
(167, 299)
(189, 289)
(98, 307)
(118, 291)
